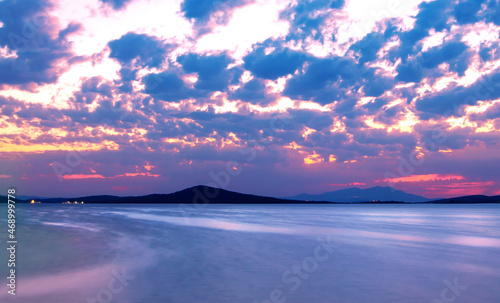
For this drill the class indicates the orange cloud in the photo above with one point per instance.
(39, 148)
(80, 176)
(424, 178)
(148, 174)
(96, 176)
(5, 176)
(313, 158)
(148, 166)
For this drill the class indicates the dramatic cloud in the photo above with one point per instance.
(254, 91)
(433, 15)
(274, 65)
(450, 102)
(308, 17)
(212, 70)
(166, 86)
(33, 52)
(425, 63)
(148, 50)
(201, 10)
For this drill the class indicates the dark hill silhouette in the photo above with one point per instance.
(205, 194)
(468, 200)
(355, 194)
(196, 194)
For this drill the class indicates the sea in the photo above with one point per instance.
(253, 253)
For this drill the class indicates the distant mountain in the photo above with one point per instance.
(355, 194)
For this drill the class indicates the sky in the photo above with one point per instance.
(269, 97)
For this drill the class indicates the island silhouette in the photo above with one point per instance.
(201, 194)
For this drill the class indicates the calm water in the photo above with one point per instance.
(256, 253)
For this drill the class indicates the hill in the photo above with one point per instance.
(196, 194)
(468, 200)
(355, 194)
(205, 195)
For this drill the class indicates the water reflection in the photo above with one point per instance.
(229, 253)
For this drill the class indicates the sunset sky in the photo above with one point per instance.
(270, 97)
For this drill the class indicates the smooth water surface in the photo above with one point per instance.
(255, 253)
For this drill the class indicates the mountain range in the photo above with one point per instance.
(355, 194)
(209, 195)
(196, 195)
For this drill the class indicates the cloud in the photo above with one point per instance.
(432, 15)
(254, 91)
(29, 30)
(485, 53)
(451, 52)
(308, 17)
(310, 118)
(167, 86)
(148, 50)
(208, 14)
(448, 102)
(337, 79)
(369, 45)
(425, 178)
(212, 71)
(473, 11)
(382, 137)
(274, 65)
(201, 10)
(491, 113)
(116, 4)
(319, 75)
(465, 11)
(492, 13)
(96, 85)
(97, 176)
(376, 104)
(72, 28)
(40, 67)
(376, 84)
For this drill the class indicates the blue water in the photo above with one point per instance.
(255, 253)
